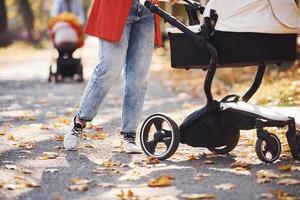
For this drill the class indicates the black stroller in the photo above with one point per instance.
(217, 125)
(66, 41)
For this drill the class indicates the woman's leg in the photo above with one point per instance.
(112, 59)
(138, 60)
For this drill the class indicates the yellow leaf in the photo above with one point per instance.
(11, 138)
(32, 184)
(48, 155)
(197, 196)
(79, 181)
(162, 181)
(192, 157)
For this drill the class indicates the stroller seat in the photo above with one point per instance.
(246, 33)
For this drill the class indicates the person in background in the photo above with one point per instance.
(126, 31)
(73, 6)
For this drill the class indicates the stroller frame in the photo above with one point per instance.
(244, 116)
(66, 65)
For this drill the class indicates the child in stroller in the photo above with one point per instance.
(246, 33)
(67, 36)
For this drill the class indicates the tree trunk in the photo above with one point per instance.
(5, 38)
(28, 18)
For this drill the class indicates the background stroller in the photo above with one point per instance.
(217, 125)
(67, 36)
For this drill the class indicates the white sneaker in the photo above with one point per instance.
(130, 146)
(72, 139)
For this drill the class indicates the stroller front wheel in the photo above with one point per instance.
(160, 136)
(268, 150)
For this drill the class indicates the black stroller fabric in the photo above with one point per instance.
(213, 127)
(234, 49)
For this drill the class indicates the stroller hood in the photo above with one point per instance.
(260, 16)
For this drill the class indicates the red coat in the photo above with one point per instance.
(108, 18)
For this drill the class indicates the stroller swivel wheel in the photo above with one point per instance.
(268, 150)
(159, 136)
(228, 148)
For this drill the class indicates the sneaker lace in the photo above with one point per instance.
(77, 130)
(130, 140)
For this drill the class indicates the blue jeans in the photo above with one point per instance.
(134, 53)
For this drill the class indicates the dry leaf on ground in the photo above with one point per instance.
(59, 138)
(225, 186)
(129, 196)
(277, 194)
(192, 157)
(82, 187)
(239, 164)
(152, 161)
(197, 196)
(27, 145)
(48, 155)
(162, 181)
(289, 181)
(201, 176)
(32, 184)
(209, 162)
(79, 181)
(11, 167)
(109, 164)
(11, 138)
(52, 170)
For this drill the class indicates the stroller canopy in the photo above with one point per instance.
(260, 16)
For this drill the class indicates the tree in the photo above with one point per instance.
(28, 17)
(5, 38)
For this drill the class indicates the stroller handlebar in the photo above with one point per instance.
(201, 42)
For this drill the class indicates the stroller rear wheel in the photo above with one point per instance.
(268, 150)
(228, 148)
(160, 136)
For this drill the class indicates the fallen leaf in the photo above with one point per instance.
(192, 157)
(152, 161)
(27, 171)
(98, 170)
(87, 145)
(45, 127)
(266, 174)
(81, 187)
(32, 184)
(197, 196)
(63, 120)
(289, 181)
(129, 196)
(3, 132)
(27, 145)
(285, 167)
(79, 181)
(59, 138)
(209, 162)
(201, 176)
(162, 181)
(19, 177)
(106, 185)
(225, 186)
(279, 194)
(11, 138)
(48, 155)
(239, 164)
(109, 164)
(10, 186)
(12, 167)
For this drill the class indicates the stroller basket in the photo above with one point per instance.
(234, 49)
